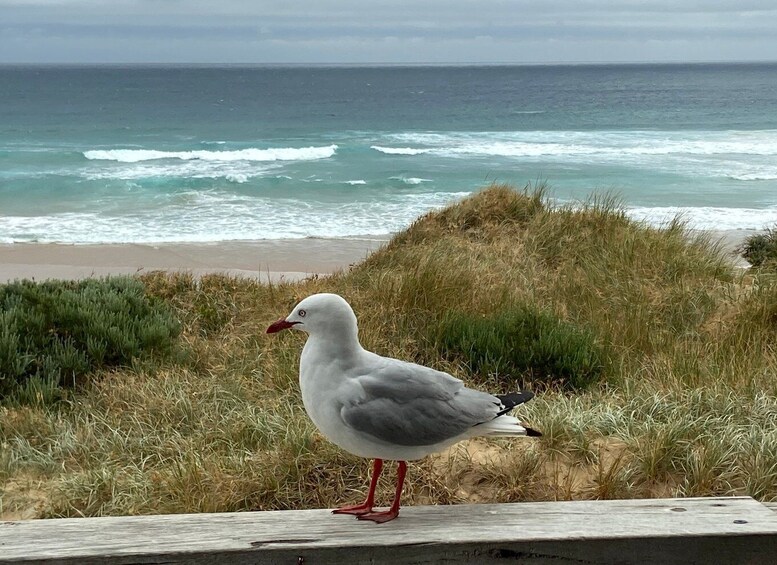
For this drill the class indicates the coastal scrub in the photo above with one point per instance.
(54, 333)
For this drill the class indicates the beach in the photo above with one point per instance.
(266, 260)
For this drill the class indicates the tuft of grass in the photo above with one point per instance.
(760, 249)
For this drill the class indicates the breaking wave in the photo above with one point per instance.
(250, 154)
(584, 144)
(223, 216)
(707, 217)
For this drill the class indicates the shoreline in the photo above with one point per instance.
(266, 260)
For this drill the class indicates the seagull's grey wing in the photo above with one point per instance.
(407, 404)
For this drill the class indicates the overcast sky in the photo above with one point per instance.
(367, 31)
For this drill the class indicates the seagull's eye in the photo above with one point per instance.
(301, 313)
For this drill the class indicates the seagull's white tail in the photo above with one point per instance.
(508, 426)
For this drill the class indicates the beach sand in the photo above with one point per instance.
(730, 240)
(272, 260)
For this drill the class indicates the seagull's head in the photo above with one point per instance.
(319, 314)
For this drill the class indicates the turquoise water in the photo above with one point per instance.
(163, 154)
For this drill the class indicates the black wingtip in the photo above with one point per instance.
(532, 433)
(513, 399)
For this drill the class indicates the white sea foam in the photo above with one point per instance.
(734, 155)
(232, 171)
(411, 180)
(584, 144)
(757, 175)
(237, 178)
(707, 217)
(401, 150)
(223, 216)
(251, 154)
(355, 182)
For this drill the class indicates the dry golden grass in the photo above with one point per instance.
(685, 406)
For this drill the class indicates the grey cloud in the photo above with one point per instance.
(307, 32)
(325, 30)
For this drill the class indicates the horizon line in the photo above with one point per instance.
(380, 64)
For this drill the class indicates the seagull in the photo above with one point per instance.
(382, 408)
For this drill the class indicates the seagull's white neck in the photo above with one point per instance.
(339, 341)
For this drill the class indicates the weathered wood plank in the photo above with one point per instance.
(699, 530)
(771, 505)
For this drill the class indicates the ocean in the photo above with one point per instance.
(204, 154)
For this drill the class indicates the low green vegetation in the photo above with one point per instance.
(522, 345)
(653, 359)
(760, 249)
(54, 333)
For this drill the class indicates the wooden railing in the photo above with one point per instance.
(662, 531)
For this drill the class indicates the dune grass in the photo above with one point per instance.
(679, 399)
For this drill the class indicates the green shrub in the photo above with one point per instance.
(54, 332)
(760, 249)
(522, 341)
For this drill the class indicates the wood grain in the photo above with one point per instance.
(695, 530)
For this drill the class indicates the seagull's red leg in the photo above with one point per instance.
(392, 512)
(366, 506)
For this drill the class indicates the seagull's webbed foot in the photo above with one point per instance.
(354, 510)
(379, 517)
(393, 512)
(364, 511)
(366, 506)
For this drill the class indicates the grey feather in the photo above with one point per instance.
(407, 404)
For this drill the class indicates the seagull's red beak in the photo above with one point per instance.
(280, 325)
